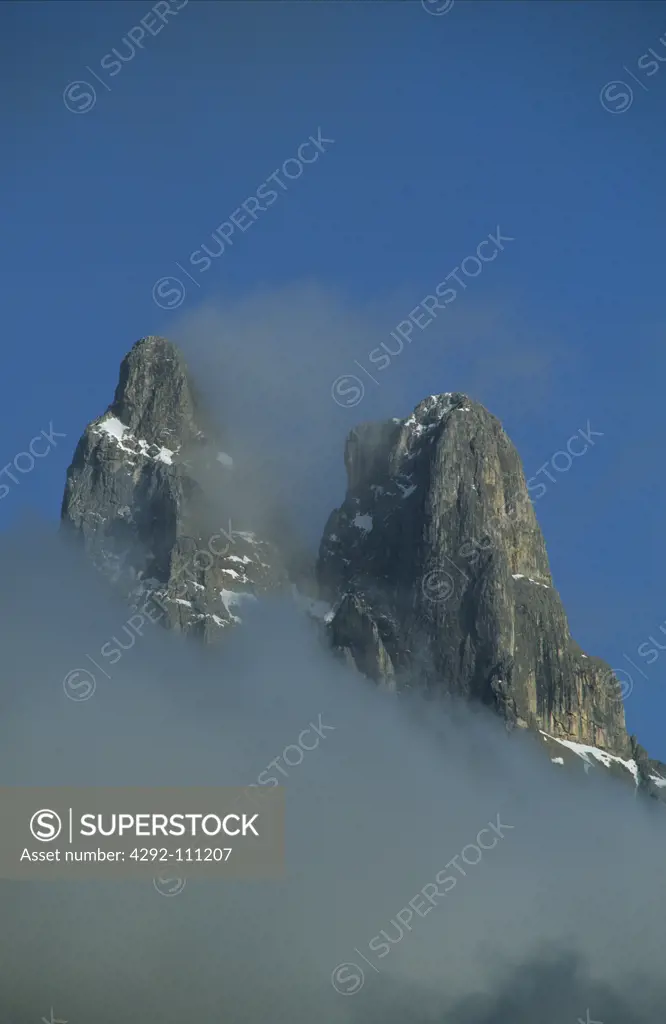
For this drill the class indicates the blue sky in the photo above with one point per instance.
(444, 127)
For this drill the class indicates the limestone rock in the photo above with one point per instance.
(439, 572)
(139, 496)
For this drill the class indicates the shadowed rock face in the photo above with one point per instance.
(137, 498)
(440, 576)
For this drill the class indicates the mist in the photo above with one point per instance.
(562, 915)
(285, 373)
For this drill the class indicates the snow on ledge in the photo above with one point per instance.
(113, 427)
(520, 576)
(584, 751)
(363, 522)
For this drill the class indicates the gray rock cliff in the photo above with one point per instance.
(433, 572)
(151, 495)
(439, 575)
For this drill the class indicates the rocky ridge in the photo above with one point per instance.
(433, 573)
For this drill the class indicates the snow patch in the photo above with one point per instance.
(557, 760)
(165, 455)
(585, 751)
(225, 459)
(112, 427)
(520, 576)
(363, 522)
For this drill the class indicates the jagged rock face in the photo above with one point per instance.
(154, 396)
(134, 496)
(435, 565)
(440, 576)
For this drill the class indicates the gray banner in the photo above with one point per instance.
(141, 832)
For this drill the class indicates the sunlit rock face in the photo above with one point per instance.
(439, 574)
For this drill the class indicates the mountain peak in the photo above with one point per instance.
(154, 398)
(440, 578)
(435, 564)
(152, 502)
(439, 405)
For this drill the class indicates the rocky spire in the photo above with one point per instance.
(150, 493)
(440, 576)
(154, 395)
